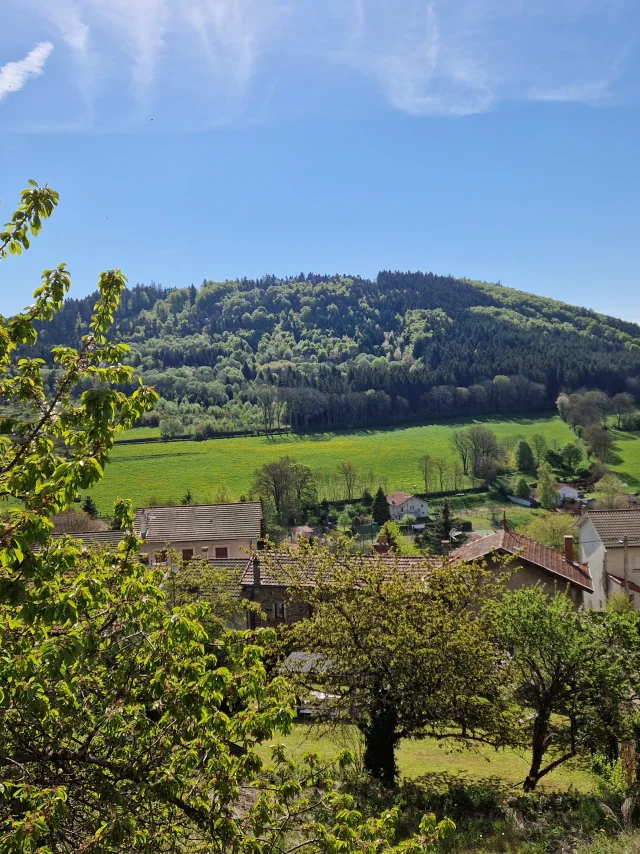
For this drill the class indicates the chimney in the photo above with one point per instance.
(568, 548)
(256, 572)
(144, 524)
(382, 546)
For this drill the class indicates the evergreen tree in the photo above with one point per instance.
(521, 488)
(525, 460)
(89, 506)
(380, 510)
(438, 535)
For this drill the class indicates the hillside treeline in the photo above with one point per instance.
(339, 351)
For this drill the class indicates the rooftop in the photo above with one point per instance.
(286, 567)
(398, 498)
(200, 522)
(508, 542)
(102, 538)
(612, 526)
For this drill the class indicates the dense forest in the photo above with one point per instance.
(317, 351)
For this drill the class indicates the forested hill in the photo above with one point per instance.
(331, 351)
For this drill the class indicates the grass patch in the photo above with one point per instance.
(426, 757)
(167, 470)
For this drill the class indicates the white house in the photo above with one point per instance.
(403, 504)
(568, 492)
(608, 540)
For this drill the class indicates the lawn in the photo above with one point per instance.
(165, 471)
(417, 758)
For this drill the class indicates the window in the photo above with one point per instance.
(187, 554)
(222, 552)
(161, 557)
(279, 611)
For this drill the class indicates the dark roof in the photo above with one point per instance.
(613, 525)
(201, 522)
(527, 550)
(291, 567)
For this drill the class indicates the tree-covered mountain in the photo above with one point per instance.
(338, 351)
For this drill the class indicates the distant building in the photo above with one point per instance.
(607, 537)
(405, 504)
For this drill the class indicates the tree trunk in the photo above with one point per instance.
(538, 749)
(380, 746)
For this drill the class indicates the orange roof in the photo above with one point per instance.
(398, 498)
(527, 550)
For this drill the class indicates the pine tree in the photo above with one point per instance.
(89, 506)
(380, 510)
(438, 535)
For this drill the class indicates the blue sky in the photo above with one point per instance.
(192, 139)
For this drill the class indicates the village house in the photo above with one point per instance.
(405, 504)
(267, 586)
(610, 547)
(212, 531)
(532, 564)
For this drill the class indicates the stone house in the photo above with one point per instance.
(609, 540)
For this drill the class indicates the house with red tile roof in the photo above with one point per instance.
(532, 563)
(405, 504)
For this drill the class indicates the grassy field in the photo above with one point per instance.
(165, 471)
(428, 757)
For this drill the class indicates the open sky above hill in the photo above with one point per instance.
(224, 138)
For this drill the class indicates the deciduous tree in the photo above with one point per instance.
(402, 653)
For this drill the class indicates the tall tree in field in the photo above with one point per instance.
(622, 405)
(610, 492)
(598, 441)
(462, 444)
(525, 460)
(548, 495)
(539, 445)
(426, 470)
(126, 726)
(400, 657)
(380, 510)
(348, 471)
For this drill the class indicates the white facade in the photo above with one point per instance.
(604, 561)
(413, 506)
(568, 492)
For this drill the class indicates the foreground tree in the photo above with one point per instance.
(126, 726)
(403, 652)
(572, 672)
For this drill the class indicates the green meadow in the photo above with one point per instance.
(163, 472)
(427, 758)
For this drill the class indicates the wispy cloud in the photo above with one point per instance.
(14, 75)
(195, 58)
